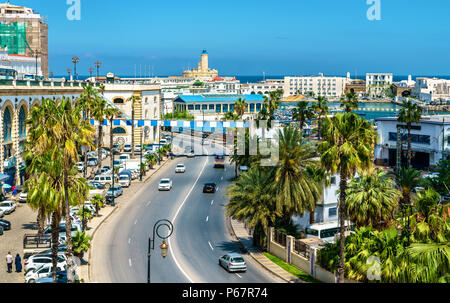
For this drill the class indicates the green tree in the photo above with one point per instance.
(240, 107)
(409, 113)
(371, 199)
(348, 147)
(99, 111)
(98, 201)
(427, 202)
(302, 113)
(81, 243)
(349, 102)
(320, 110)
(134, 99)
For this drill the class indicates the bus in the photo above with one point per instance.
(219, 161)
(7, 73)
(326, 230)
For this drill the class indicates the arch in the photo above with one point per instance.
(118, 100)
(252, 93)
(22, 125)
(119, 130)
(8, 117)
(352, 90)
(266, 93)
(406, 93)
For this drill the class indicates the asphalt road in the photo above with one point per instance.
(200, 235)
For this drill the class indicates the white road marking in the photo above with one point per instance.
(212, 202)
(221, 178)
(239, 275)
(207, 218)
(148, 203)
(135, 222)
(129, 262)
(210, 245)
(129, 241)
(175, 217)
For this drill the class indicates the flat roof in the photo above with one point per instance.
(218, 98)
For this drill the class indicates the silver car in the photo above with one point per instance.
(180, 168)
(7, 207)
(165, 184)
(233, 262)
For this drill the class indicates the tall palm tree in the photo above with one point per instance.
(252, 201)
(409, 113)
(296, 191)
(427, 202)
(320, 109)
(99, 113)
(110, 113)
(133, 99)
(349, 102)
(348, 147)
(371, 198)
(240, 106)
(407, 179)
(271, 104)
(302, 113)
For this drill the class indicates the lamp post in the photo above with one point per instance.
(97, 65)
(91, 70)
(75, 60)
(51, 74)
(69, 71)
(163, 246)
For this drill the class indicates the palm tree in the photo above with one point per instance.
(410, 113)
(320, 109)
(99, 112)
(296, 191)
(97, 201)
(427, 202)
(110, 113)
(230, 116)
(302, 113)
(407, 179)
(240, 106)
(252, 201)
(271, 104)
(81, 243)
(318, 174)
(371, 199)
(348, 147)
(133, 99)
(349, 102)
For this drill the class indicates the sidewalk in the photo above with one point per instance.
(246, 240)
(83, 271)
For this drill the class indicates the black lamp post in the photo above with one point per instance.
(97, 65)
(75, 60)
(91, 70)
(163, 246)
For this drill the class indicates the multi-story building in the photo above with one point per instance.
(24, 32)
(431, 89)
(24, 67)
(430, 141)
(378, 84)
(262, 88)
(330, 87)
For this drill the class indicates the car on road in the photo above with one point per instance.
(165, 184)
(219, 161)
(210, 187)
(61, 277)
(5, 224)
(124, 181)
(190, 154)
(36, 261)
(7, 207)
(23, 197)
(127, 148)
(117, 190)
(44, 271)
(180, 168)
(233, 262)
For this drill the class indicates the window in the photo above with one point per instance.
(225, 107)
(190, 107)
(118, 101)
(332, 212)
(197, 106)
(258, 107)
(252, 107)
(419, 139)
(448, 140)
(329, 233)
(333, 180)
(218, 108)
(211, 107)
(313, 232)
(119, 131)
(204, 106)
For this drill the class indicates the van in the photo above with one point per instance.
(325, 231)
(103, 179)
(124, 180)
(124, 157)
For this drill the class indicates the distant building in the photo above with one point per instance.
(24, 66)
(330, 87)
(430, 141)
(356, 86)
(431, 89)
(24, 32)
(263, 87)
(203, 71)
(378, 84)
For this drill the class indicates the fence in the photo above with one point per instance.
(279, 237)
(302, 248)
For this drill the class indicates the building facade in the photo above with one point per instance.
(330, 87)
(262, 88)
(430, 141)
(203, 70)
(378, 84)
(25, 67)
(431, 89)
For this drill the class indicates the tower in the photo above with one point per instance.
(204, 61)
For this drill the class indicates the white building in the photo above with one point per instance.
(430, 141)
(23, 65)
(263, 87)
(377, 84)
(330, 87)
(431, 89)
(407, 83)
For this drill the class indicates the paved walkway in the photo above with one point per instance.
(247, 241)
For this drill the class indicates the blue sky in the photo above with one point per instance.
(248, 37)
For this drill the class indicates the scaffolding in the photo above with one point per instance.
(13, 35)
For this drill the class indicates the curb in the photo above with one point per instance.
(243, 248)
(113, 211)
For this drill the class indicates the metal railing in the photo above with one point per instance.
(279, 237)
(301, 248)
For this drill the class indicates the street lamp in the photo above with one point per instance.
(97, 65)
(69, 71)
(163, 246)
(91, 70)
(75, 60)
(51, 74)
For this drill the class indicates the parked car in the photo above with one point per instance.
(210, 187)
(137, 148)
(36, 261)
(106, 170)
(117, 190)
(103, 179)
(23, 197)
(124, 157)
(180, 168)
(233, 262)
(80, 166)
(62, 230)
(44, 271)
(124, 180)
(61, 277)
(5, 224)
(127, 148)
(7, 207)
(165, 184)
(96, 185)
(1, 230)
(92, 162)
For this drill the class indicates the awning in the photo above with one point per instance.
(3, 177)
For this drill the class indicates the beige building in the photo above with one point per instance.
(24, 32)
(203, 71)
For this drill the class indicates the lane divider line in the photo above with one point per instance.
(212, 202)
(129, 241)
(129, 262)
(210, 245)
(135, 222)
(148, 203)
(175, 217)
(207, 217)
(239, 275)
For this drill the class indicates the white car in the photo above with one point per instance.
(137, 148)
(2, 213)
(36, 261)
(124, 181)
(23, 197)
(127, 148)
(7, 207)
(180, 168)
(165, 184)
(42, 272)
(80, 166)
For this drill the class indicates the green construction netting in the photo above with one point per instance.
(14, 36)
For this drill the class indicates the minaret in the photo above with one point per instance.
(204, 61)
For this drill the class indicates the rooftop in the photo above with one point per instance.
(218, 98)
